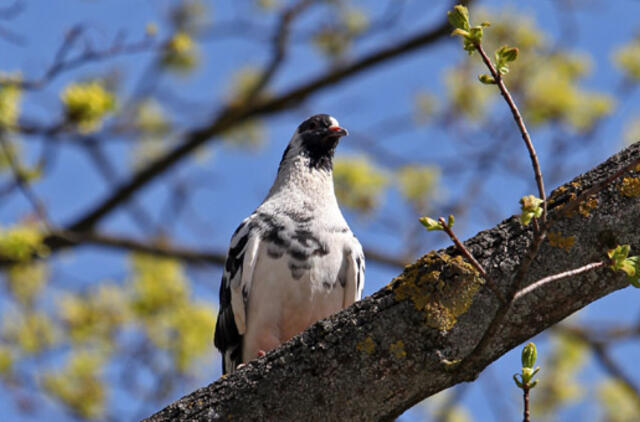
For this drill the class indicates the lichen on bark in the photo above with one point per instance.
(440, 286)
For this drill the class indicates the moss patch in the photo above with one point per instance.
(367, 346)
(585, 207)
(559, 241)
(439, 286)
(630, 187)
(397, 349)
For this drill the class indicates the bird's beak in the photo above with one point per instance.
(337, 130)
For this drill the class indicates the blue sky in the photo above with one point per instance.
(234, 182)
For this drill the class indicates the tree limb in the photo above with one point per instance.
(391, 350)
(232, 116)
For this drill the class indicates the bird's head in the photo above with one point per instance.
(316, 139)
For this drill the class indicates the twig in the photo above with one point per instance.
(523, 129)
(58, 239)
(279, 47)
(108, 172)
(470, 257)
(187, 255)
(22, 183)
(61, 63)
(539, 230)
(231, 117)
(525, 397)
(555, 277)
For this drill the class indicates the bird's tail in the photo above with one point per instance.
(232, 357)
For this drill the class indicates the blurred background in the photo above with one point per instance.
(136, 135)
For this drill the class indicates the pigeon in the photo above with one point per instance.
(293, 261)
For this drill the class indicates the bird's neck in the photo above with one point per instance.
(311, 182)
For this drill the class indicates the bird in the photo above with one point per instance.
(294, 260)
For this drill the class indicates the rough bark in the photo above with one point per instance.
(393, 349)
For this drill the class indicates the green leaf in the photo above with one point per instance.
(450, 221)
(430, 224)
(504, 55)
(518, 383)
(459, 17)
(618, 255)
(475, 35)
(630, 265)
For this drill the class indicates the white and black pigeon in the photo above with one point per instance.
(294, 260)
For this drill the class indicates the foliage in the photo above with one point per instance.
(358, 183)
(334, 41)
(531, 208)
(630, 265)
(180, 53)
(86, 104)
(78, 385)
(417, 184)
(546, 79)
(22, 242)
(10, 95)
(559, 387)
(627, 58)
(618, 402)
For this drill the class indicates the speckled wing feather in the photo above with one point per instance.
(355, 274)
(230, 325)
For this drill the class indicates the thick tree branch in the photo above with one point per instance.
(391, 350)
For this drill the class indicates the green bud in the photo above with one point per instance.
(486, 79)
(530, 206)
(508, 54)
(630, 265)
(529, 356)
(451, 220)
(503, 56)
(618, 255)
(459, 17)
(475, 34)
(430, 223)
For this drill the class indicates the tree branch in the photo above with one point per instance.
(389, 351)
(232, 116)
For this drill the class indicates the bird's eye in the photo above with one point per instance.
(312, 126)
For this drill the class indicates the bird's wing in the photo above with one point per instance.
(355, 273)
(234, 290)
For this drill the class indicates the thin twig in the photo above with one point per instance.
(539, 230)
(22, 183)
(523, 129)
(61, 63)
(279, 47)
(230, 117)
(470, 257)
(525, 397)
(555, 277)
